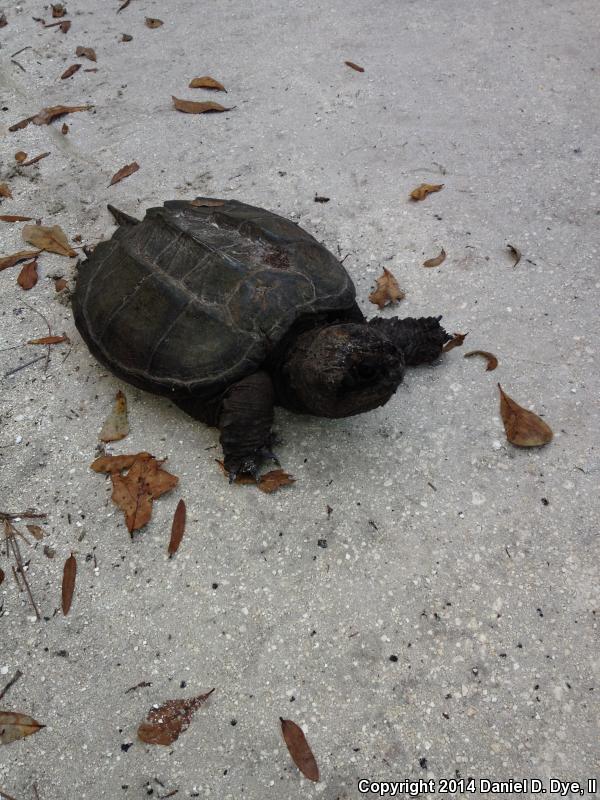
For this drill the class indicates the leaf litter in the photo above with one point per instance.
(299, 749)
(15, 258)
(515, 253)
(492, 361)
(421, 192)
(164, 723)
(116, 426)
(14, 726)
(435, 262)
(68, 583)
(387, 291)
(124, 172)
(28, 276)
(46, 115)
(50, 238)
(456, 341)
(177, 528)
(192, 107)
(206, 82)
(523, 428)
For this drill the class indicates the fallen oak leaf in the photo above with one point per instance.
(523, 428)
(491, 358)
(456, 341)
(114, 464)
(70, 71)
(516, 254)
(206, 82)
(28, 276)
(14, 726)
(46, 115)
(299, 749)
(387, 290)
(5, 191)
(421, 192)
(14, 218)
(34, 160)
(124, 172)
(354, 66)
(68, 583)
(15, 258)
(116, 426)
(50, 238)
(35, 531)
(20, 156)
(435, 262)
(153, 22)
(273, 480)
(135, 492)
(86, 52)
(165, 723)
(177, 528)
(192, 107)
(49, 340)
(64, 26)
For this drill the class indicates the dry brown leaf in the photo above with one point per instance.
(114, 464)
(3, 21)
(70, 71)
(22, 255)
(421, 192)
(191, 107)
(46, 115)
(59, 284)
(20, 156)
(516, 254)
(135, 492)
(123, 5)
(86, 52)
(523, 428)
(435, 262)
(456, 341)
(299, 749)
(206, 82)
(58, 10)
(49, 340)
(14, 726)
(65, 129)
(352, 65)
(35, 159)
(491, 358)
(65, 26)
(153, 22)
(14, 218)
(36, 532)
(201, 201)
(124, 172)
(126, 37)
(50, 238)
(177, 528)
(4, 190)
(164, 724)
(68, 583)
(116, 426)
(28, 276)
(271, 481)
(387, 290)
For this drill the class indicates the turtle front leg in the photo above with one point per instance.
(245, 421)
(421, 340)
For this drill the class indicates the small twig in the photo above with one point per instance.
(9, 531)
(139, 685)
(170, 794)
(6, 795)
(27, 47)
(39, 313)
(35, 791)
(18, 674)
(29, 514)
(28, 364)
(12, 61)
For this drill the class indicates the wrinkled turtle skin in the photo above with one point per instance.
(229, 309)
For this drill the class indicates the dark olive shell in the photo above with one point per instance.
(198, 294)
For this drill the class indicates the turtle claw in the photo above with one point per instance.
(249, 466)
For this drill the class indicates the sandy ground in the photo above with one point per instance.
(442, 621)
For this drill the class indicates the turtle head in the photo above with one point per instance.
(344, 369)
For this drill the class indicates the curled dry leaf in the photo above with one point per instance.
(46, 115)
(164, 724)
(116, 426)
(113, 465)
(387, 290)
(299, 749)
(14, 726)
(135, 492)
(15, 258)
(70, 71)
(456, 341)
(191, 107)
(206, 82)
(50, 238)
(86, 52)
(36, 532)
(274, 480)
(126, 37)
(435, 262)
(177, 528)
(354, 66)
(492, 361)
(516, 254)
(153, 22)
(65, 129)
(20, 156)
(523, 428)
(64, 26)
(28, 277)
(58, 10)
(3, 20)
(124, 172)
(68, 583)
(320, 199)
(14, 218)
(35, 159)
(5, 191)
(421, 192)
(59, 284)
(49, 340)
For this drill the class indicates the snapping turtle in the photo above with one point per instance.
(229, 310)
